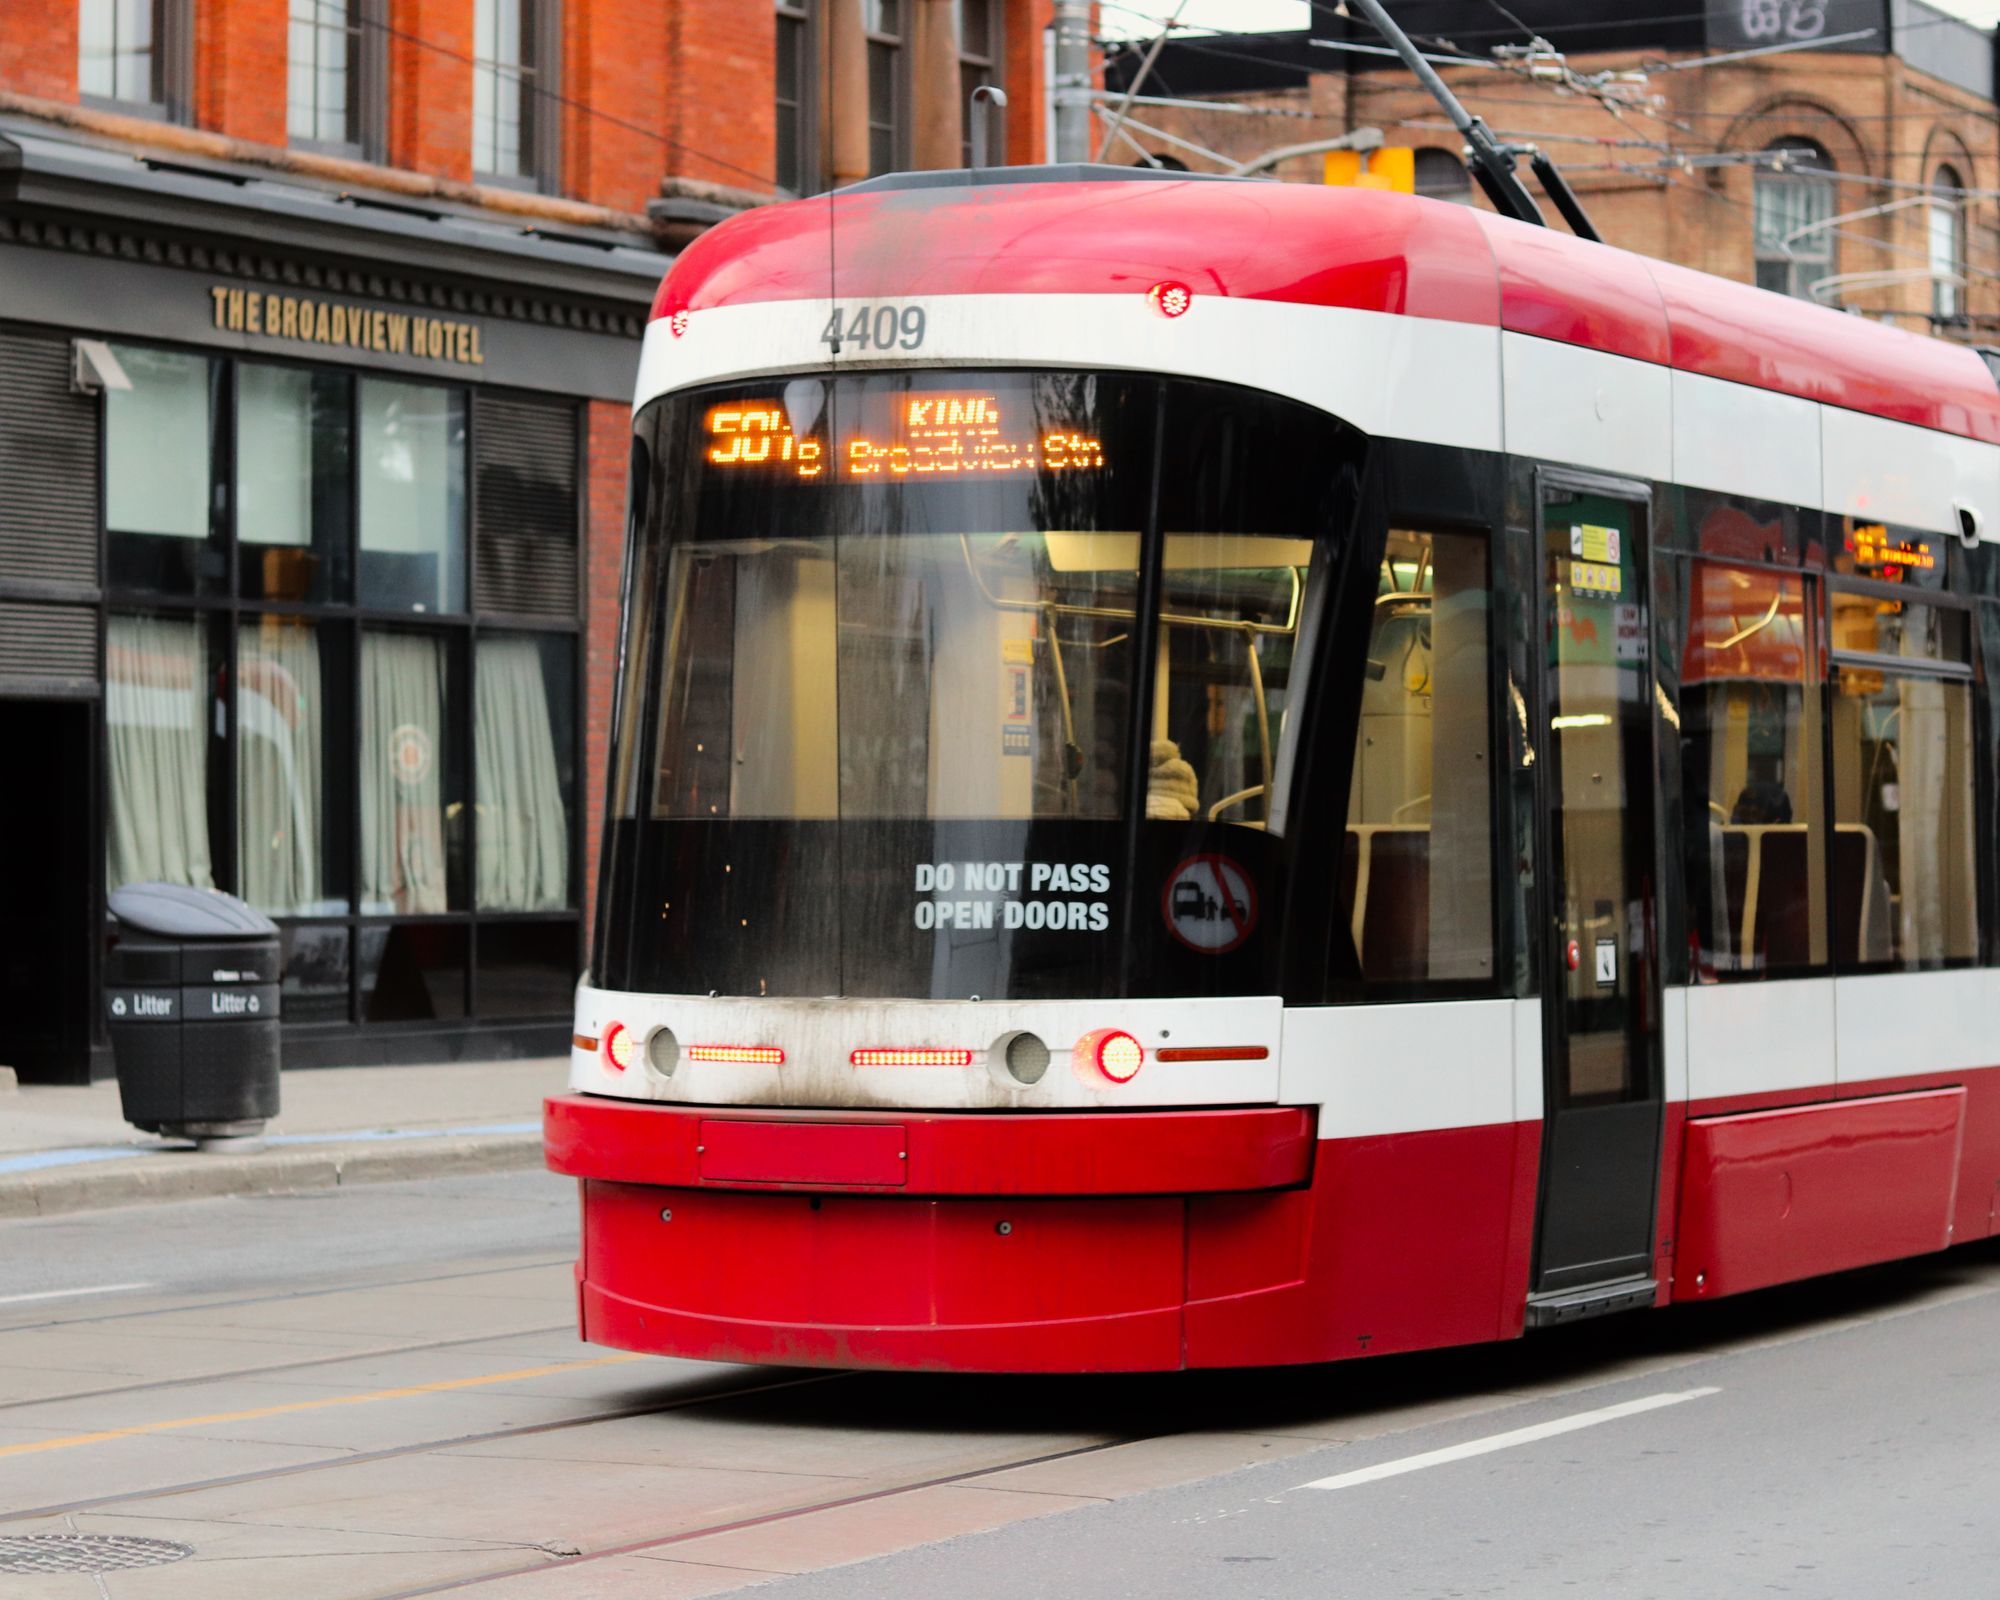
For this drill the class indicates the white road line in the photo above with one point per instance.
(1505, 1441)
(69, 1294)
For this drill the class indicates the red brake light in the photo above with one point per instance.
(621, 1047)
(1111, 1052)
(1214, 1052)
(1169, 298)
(898, 1056)
(756, 1055)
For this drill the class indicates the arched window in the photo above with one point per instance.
(1947, 243)
(1792, 211)
(1442, 176)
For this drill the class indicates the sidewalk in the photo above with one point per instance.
(69, 1149)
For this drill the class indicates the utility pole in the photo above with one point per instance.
(1070, 82)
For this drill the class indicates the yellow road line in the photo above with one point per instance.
(444, 1387)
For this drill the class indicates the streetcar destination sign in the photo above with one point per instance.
(930, 436)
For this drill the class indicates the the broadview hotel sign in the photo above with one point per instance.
(310, 320)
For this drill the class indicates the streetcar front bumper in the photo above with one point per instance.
(1066, 1242)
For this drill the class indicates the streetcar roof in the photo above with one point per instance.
(1079, 230)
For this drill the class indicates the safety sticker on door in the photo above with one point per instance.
(1210, 904)
(1607, 963)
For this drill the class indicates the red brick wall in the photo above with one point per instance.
(607, 448)
(615, 61)
(721, 96)
(430, 87)
(240, 54)
(38, 48)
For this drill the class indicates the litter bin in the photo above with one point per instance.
(191, 995)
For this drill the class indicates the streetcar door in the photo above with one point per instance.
(1599, 889)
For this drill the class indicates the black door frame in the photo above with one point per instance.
(1550, 482)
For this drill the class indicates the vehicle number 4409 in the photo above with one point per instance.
(874, 328)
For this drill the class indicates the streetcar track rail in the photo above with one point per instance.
(767, 1518)
(419, 1447)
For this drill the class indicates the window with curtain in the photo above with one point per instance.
(1792, 215)
(411, 439)
(1946, 234)
(292, 767)
(156, 721)
(523, 695)
(322, 76)
(798, 142)
(403, 765)
(117, 50)
(293, 497)
(886, 96)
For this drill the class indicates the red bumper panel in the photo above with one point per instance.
(1772, 1196)
(1078, 1153)
(861, 1280)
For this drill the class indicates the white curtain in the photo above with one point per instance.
(156, 445)
(402, 745)
(280, 781)
(155, 713)
(523, 833)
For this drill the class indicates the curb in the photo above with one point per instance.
(150, 1180)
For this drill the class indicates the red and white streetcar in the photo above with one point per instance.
(1213, 773)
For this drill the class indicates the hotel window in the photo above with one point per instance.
(136, 52)
(798, 130)
(337, 63)
(516, 79)
(978, 25)
(1792, 218)
(310, 701)
(888, 90)
(1946, 235)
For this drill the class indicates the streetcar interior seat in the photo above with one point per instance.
(1765, 873)
(1385, 887)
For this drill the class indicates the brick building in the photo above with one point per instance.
(318, 325)
(1884, 204)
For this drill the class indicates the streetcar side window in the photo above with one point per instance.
(1752, 801)
(1229, 620)
(1416, 862)
(1905, 885)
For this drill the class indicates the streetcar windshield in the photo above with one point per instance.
(886, 642)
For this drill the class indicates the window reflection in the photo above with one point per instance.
(412, 445)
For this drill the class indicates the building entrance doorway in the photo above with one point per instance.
(48, 890)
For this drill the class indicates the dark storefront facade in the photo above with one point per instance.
(293, 595)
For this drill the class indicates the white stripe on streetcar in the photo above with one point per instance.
(69, 1294)
(1504, 1441)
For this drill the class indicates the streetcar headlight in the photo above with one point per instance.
(1025, 1058)
(663, 1052)
(1109, 1053)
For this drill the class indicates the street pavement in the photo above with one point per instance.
(68, 1148)
(378, 1393)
